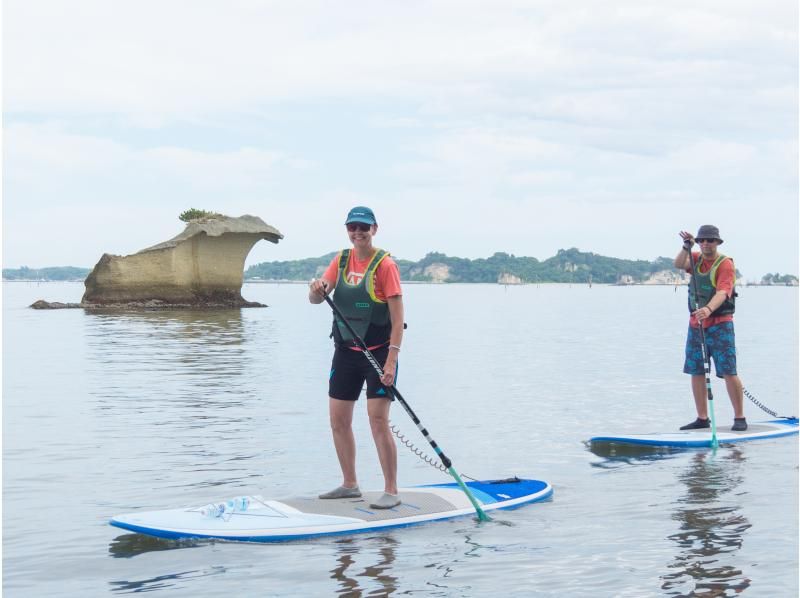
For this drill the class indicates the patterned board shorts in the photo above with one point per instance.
(721, 343)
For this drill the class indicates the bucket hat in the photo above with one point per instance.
(708, 231)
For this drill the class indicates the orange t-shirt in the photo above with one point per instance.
(387, 275)
(726, 277)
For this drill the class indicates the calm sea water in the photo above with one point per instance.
(113, 412)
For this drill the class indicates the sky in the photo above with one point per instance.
(469, 127)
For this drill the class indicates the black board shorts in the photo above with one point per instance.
(349, 370)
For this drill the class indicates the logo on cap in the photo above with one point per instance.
(360, 214)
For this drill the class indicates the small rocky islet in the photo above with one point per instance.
(200, 268)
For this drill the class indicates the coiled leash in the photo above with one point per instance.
(420, 453)
(764, 407)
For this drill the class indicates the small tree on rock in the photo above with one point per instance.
(195, 214)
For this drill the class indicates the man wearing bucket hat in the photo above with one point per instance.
(713, 283)
(365, 283)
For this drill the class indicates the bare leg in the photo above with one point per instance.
(341, 415)
(700, 395)
(734, 386)
(378, 410)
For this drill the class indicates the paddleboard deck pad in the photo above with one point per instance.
(702, 438)
(305, 517)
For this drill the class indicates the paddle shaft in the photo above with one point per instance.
(482, 516)
(706, 356)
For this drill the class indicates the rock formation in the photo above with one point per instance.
(668, 277)
(201, 267)
(436, 272)
(506, 278)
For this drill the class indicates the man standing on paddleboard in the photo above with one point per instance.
(365, 282)
(715, 280)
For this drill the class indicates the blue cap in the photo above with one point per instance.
(360, 214)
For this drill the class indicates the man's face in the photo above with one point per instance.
(708, 247)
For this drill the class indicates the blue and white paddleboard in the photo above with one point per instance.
(702, 438)
(264, 520)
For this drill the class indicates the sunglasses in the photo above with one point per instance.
(706, 240)
(358, 226)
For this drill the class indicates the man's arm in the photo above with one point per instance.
(726, 274)
(682, 259)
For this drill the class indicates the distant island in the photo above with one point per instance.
(567, 266)
(50, 274)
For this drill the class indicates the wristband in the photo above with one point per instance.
(394, 347)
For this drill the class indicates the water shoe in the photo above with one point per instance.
(387, 501)
(739, 424)
(697, 424)
(342, 492)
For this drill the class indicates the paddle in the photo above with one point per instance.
(706, 357)
(482, 516)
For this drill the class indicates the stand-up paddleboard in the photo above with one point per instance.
(702, 438)
(264, 520)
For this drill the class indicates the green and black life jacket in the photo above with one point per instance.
(368, 315)
(707, 288)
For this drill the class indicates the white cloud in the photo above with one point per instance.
(33, 150)
(569, 119)
(706, 154)
(38, 154)
(184, 57)
(245, 168)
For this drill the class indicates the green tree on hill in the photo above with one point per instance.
(568, 265)
(290, 270)
(51, 273)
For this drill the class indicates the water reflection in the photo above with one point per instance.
(203, 326)
(162, 582)
(187, 338)
(620, 454)
(189, 357)
(349, 550)
(709, 528)
(181, 390)
(222, 318)
(130, 545)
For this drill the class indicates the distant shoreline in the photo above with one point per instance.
(567, 266)
(80, 280)
(407, 282)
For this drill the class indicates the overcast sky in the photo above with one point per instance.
(469, 127)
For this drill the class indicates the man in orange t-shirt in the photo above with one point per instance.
(711, 304)
(365, 282)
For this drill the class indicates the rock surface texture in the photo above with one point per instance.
(201, 267)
